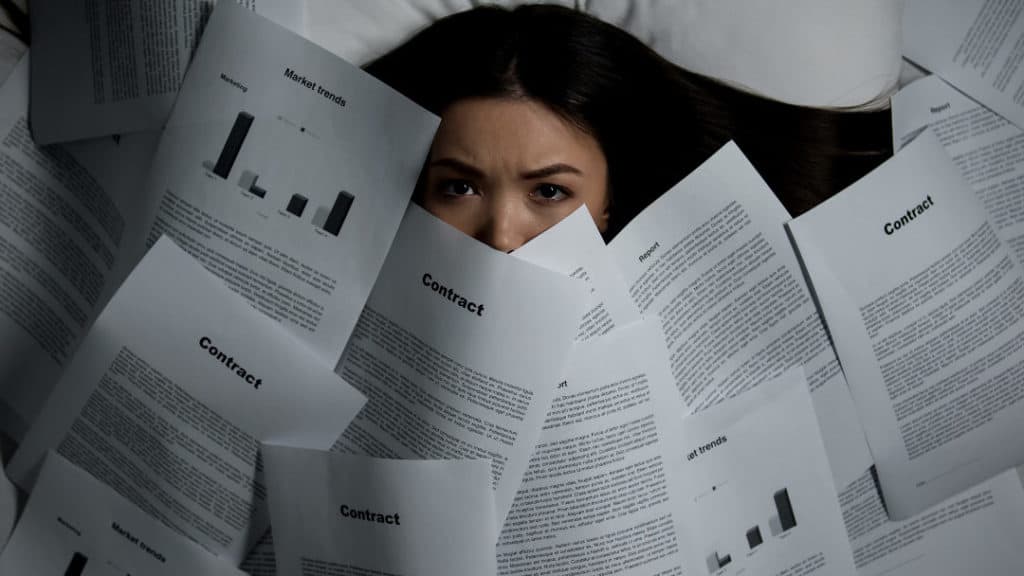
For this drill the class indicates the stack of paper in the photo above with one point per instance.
(231, 343)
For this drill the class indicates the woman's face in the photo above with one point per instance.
(503, 170)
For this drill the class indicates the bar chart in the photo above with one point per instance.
(229, 154)
(717, 562)
(784, 519)
(781, 521)
(330, 220)
(77, 565)
(764, 496)
(754, 538)
(297, 205)
(233, 145)
(248, 183)
(329, 217)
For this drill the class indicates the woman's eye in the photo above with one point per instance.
(457, 188)
(550, 193)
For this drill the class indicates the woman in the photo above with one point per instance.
(544, 109)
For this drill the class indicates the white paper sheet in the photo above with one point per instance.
(710, 257)
(286, 171)
(75, 525)
(985, 147)
(574, 247)
(756, 489)
(458, 351)
(170, 393)
(67, 217)
(76, 218)
(978, 531)
(261, 560)
(8, 504)
(923, 302)
(976, 45)
(344, 514)
(597, 497)
(104, 67)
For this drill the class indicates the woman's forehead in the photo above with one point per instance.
(519, 132)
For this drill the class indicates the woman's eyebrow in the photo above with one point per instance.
(550, 171)
(458, 166)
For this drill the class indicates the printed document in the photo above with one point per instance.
(103, 67)
(755, 487)
(8, 505)
(75, 525)
(68, 217)
(597, 495)
(975, 45)
(261, 560)
(286, 171)
(711, 259)
(458, 352)
(925, 305)
(575, 248)
(170, 393)
(344, 514)
(984, 146)
(978, 531)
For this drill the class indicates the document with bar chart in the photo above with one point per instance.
(757, 491)
(89, 530)
(286, 171)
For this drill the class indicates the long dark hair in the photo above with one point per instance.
(654, 121)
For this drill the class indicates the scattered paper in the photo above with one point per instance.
(458, 351)
(8, 505)
(756, 489)
(711, 259)
(975, 45)
(106, 67)
(170, 394)
(984, 146)
(286, 171)
(976, 531)
(343, 514)
(69, 214)
(923, 301)
(598, 495)
(574, 247)
(75, 525)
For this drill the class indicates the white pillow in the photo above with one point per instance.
(835, 53)
(840, 53)
(361, 30)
